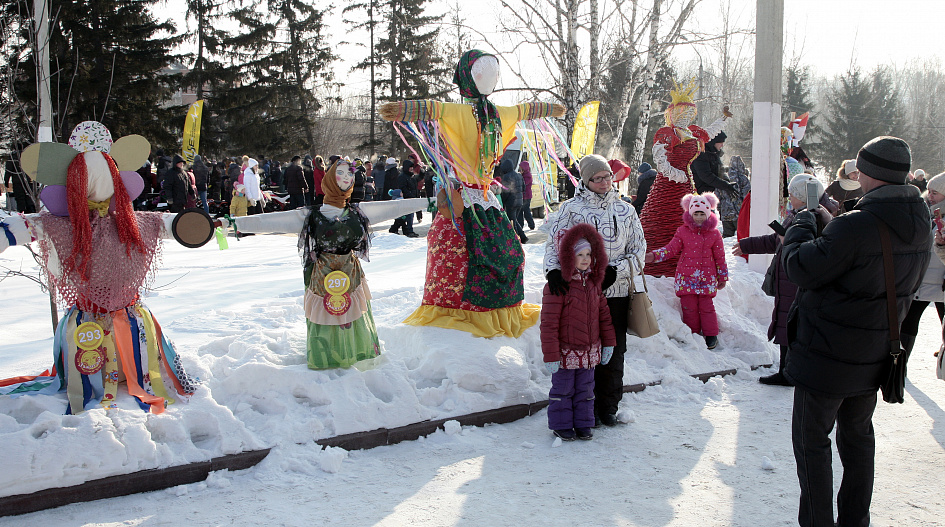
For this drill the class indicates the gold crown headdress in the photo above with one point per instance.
(682, 94)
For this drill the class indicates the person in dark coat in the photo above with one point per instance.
(707, 168)
(275, 175)
(407, 186)
(512, 194)
(308, 171)
(357, 194)
(525, 216)
(378, 174)
(232, 177)
(295, 183)
(390, 177)
(177, 188)
(644, 182)
(839, 330)
(21, 183)
(215, 188)
(201, 178)
(784, 289)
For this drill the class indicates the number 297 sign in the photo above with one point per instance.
(89, 335)
(337, 301)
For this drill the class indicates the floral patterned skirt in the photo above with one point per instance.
(474, 276)
(477, 267)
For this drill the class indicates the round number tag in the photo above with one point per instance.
(89, 361)
(337, 283)
(337, 304)
(89, 335)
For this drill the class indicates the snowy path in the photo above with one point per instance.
(693, 456)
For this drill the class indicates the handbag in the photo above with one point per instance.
(641, 320)
(894, 384)
(767, 286)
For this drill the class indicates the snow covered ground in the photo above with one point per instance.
(690, 454)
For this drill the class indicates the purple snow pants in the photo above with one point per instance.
(572, 399)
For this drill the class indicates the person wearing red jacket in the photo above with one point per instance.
(577, 333)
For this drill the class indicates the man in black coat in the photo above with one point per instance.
(295, 183)
(839, 330)
(707, 168)
(407, 184)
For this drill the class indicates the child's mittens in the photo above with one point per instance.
(553, 366)
(606, 353)
(648, 258)
(721, 285)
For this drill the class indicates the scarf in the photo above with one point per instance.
(334, 196)
(487, 115)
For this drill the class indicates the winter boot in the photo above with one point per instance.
(778, 379)
(584, 434)
(565, 434)
(711, 341)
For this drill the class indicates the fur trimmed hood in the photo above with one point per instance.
(566, 252)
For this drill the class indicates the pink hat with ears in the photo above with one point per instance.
(700, 202)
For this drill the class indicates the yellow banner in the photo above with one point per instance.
(585, 130)
(192, 131)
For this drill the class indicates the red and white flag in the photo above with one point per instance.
(798, 126)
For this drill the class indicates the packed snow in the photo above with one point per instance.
(686, 453)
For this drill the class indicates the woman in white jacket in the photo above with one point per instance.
(932, 288)
(251, 182)
(596, 202)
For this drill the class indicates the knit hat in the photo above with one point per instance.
(177, 159)
(581, 245)
(797, 187)
(885, 158)
(644, 168)
(920, 172)
(391, 160)
(937, 183)
(592, 164)
(719, 138)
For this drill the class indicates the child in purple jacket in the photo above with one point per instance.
(701, 269)
(576, 333)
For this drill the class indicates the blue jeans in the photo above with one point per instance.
(203, 198)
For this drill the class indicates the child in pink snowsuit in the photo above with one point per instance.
(701, 269)
(577, 333)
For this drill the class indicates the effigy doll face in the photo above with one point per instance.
(683, 115)
(485, 72)
(344, 177)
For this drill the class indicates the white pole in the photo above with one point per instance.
(41, 22)
(765, 154)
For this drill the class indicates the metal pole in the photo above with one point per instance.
(765, 154)
(41, 23)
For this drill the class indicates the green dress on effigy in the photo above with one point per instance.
(341, 328)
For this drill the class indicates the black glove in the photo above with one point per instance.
(610, 276)
(728, 187)
(556, 283)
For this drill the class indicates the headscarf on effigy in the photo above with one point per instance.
(487, 115)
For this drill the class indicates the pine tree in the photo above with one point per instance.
(849, 124)
(797, 99)
(406, 59)
(262, 102)
(106, 58)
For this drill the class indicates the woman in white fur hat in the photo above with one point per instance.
(846, 187)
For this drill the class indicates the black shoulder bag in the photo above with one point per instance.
(894, 385)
